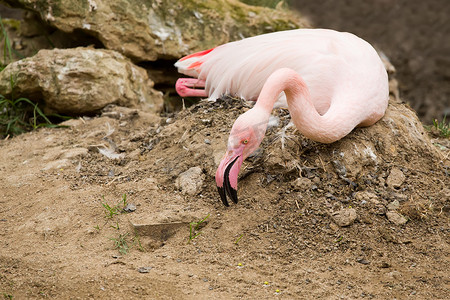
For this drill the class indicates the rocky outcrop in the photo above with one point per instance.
(148, 30)
(80, 81)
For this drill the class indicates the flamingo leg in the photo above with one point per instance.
(190, 87)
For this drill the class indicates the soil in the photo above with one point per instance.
(306, 226)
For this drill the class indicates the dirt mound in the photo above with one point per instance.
(363, 217)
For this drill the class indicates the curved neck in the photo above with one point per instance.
(325, 129)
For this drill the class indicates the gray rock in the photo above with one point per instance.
(396, 218)
(191, 181)
(344, 217)
(395, 178)
(80, 81)
(144, 269)
(130, 208)
(148, 30)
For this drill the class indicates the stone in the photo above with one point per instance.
(130, 208)
(191, 181)
(302, 183)
(75, 152)
(396, 218)
(80, 81)
(59, 164)
(393, 205)
(144, 269)
(151, 30)
(395, 178)
(367, 196)
(344, 217)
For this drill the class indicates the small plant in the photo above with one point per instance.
(137, 241)
(194, 227)
(124, 201)
(111, 211)
(7, 296)
(238, 239)
(7, 49)
(442, 128)
(121, 244)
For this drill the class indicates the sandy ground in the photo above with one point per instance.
(281, 241)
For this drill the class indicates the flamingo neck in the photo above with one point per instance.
(303, 113)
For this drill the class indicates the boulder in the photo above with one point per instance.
(80, 81)
(148, 30)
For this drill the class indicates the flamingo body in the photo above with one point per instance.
(330, 81)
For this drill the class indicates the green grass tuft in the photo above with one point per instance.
(443, 127)
(194, 227)
(111, 211)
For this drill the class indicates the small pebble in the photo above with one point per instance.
(363, 261)
(144, 269)
(130, 207)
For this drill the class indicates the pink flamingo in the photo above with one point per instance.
(332, 82)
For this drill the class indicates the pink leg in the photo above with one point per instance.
(190, 87)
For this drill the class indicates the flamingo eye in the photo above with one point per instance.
(245, 142)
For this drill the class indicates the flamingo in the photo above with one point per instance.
(330, 81)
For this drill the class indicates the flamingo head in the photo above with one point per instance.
(245, 137)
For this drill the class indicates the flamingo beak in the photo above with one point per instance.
(227, 175)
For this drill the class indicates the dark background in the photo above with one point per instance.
(415, 35)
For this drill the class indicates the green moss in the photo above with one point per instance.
(12, 23)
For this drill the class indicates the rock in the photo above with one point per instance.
(344, 217)
(59, 164)
(393, 205)
(396, 218)
(130, 208)
(75, 152)
(367, 196)
(395, 178)
(80, 81)
(144, 269)
(302, 183)
(191, 181)
(363, 261)
(148, 30)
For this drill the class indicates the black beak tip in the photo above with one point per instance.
(233, 195)
(223, 195)
(227, 189)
